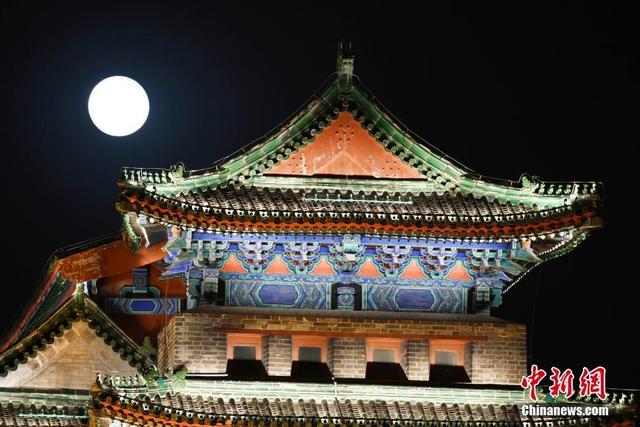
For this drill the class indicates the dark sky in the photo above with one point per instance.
(502, 87)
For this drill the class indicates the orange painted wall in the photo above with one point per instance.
(369, 270)
(323, 268)
(277, 266)
(413, 271)
(233, 265)
(459, 272)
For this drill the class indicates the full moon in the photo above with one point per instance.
(118, 106)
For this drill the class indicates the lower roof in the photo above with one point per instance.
(77, 308)
(43, 407)
(210, 402)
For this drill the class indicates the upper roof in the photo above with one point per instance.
(343, 163)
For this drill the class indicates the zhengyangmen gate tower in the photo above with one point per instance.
(336, 272)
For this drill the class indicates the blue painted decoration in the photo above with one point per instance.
(142, 305)
(256, 293)
(316, 295)
(271, 294)
(401, 298)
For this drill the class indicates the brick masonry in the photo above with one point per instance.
(194, 345)
(278, 355)
(468, 359)
(265, 352)
(349, 357)
(167, 346)
(501, 358)
(417, 358)
(71, 361)
(404, 360)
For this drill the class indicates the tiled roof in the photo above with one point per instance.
(434, 215)
(54, 289)
(78, 308)
(43, 407)
(180, 409)
(446, 199)
(21, 415)
(133, 401)
(210, 411)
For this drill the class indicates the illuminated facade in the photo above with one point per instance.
(338, 271)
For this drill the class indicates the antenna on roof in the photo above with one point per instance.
(344, 65)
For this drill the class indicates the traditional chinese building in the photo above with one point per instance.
(338, 271)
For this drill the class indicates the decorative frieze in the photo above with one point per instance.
(402, 298)
(258, 293)
(351, 296)
(369, 260)
(347, 256)
(436, 262)
(492, 263)
(301, 257)
(142, 305)
(392, 260)
(256, 256)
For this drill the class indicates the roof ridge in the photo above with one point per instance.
(312, 119)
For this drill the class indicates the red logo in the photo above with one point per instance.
(562, 382)
(591, 382)
(531, 381)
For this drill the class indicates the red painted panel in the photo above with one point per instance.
(107, 260)
(345, 149)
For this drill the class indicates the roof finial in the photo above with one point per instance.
(344, 65)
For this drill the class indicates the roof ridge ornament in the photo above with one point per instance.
(344, 66)
(177, 172)
(79, 294)
(529, 182)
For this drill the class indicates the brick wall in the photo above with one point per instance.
(468, 359)
(195, 345)
(349, 357)
(501, 358)
(166, 346)
(278, 355)
(417, 360)
(265, 352)
(330, 354)
(404, 360)
(71, 361)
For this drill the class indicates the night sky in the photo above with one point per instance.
(503, 88)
